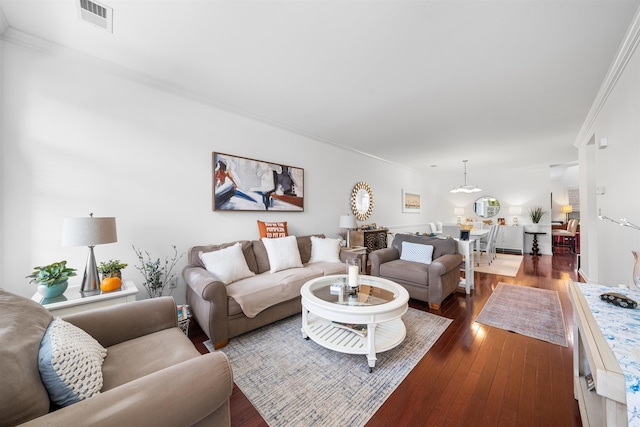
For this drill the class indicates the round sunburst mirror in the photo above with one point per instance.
(362, 201)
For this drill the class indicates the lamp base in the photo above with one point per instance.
(90, 281)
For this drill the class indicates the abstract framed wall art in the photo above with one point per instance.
(410, 201)
(243, 184)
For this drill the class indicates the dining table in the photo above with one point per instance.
(477, 234)
(465, 247)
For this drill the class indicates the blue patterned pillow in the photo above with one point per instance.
(70, 363)
(417, 252)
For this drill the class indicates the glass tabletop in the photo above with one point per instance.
(366, 294)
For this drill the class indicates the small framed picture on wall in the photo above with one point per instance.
(411, 201)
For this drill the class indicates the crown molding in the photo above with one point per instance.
(4, 25)
(625, 52)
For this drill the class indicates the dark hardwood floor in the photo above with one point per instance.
(476, 375)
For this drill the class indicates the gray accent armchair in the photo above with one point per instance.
(430, 283)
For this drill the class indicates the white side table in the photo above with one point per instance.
(72, 301)
(465, 248)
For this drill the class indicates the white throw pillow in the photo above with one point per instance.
(417, 252)
(324, 250)
(283, 253)
(227, 265)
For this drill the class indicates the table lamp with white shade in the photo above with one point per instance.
(89, 231)
(515, 211)
(348, 222)
(459, 212)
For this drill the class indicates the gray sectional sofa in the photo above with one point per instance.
(432, 282)
(225, 311)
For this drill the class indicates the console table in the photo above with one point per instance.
(606, 405)
(535, 251)
(73, 301)
(465, 248)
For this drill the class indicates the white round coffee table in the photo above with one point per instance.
(366, 322)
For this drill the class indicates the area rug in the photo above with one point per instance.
(296, 382)
(503, 265)
(533, 312)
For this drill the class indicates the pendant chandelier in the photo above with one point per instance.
(466, 188)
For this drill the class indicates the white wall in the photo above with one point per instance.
(2, 139)
(80, 139)
(606, 247)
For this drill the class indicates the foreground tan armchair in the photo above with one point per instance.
(153, 375)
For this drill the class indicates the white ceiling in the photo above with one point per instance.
(501, 83)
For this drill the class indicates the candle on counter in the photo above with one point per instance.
(353, 276)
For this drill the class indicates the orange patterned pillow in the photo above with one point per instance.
(272, 230)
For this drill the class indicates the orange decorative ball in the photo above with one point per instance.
(109, 284)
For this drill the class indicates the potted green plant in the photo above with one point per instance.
(536, 213)
(156, 275)
(112, 268)
(52, 279)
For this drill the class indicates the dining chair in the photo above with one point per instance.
(488, 247)
(495, 229)
(566, 238)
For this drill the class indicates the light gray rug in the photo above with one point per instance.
(296, 382)
(533, 312)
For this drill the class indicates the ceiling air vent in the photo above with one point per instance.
(97, 14)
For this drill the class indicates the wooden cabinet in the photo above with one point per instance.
(510, 238)
(371, 239)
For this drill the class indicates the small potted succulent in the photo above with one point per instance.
(113, 268)
(52, 279)
(111, 275)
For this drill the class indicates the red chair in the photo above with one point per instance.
(566, 238)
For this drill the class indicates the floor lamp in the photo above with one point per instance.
(89, 232)
(567, 209)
